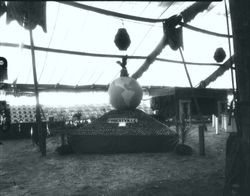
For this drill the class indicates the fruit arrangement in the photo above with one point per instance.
(144, 125)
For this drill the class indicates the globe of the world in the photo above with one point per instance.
(125, 93)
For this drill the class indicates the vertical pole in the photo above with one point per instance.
(216, 125)
(240, 17)
(233, 125)
(203, 124)
(41, 132)
(213, 120)
(225, 121)
(177, 125)
(201, 140)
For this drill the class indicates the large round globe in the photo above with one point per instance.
(125, 93)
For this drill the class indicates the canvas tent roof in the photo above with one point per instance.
(74, 29)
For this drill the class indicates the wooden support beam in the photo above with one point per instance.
(41, 132)
(201, 140)
(220, 71)
(151, 58)
(240, 17)
(100, 55)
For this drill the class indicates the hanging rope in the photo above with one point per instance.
(110, 13)
(134, 18)
(205, 31)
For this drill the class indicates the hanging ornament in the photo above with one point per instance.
(122, 40)
(219, 55)
(3, 69)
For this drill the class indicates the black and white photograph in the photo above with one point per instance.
(125, 98)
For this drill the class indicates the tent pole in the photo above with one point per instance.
(241, 28)
(41, 132)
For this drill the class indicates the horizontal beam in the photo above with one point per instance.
(28, 89)
(6, 44)
(20, 88)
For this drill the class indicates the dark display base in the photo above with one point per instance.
(17, 131)
(144, 134)
(120, 144)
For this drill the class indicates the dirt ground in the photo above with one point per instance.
(24, 172)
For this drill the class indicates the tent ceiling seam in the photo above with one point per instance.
(45, 60)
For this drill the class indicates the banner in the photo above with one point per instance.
(27, 13)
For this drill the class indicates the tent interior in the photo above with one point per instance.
(70, 28)
(62, 59)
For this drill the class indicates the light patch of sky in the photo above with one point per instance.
(22, 100)
(74, 98)
(62, 99)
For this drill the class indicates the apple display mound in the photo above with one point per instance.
(125, 93)
(139, 133)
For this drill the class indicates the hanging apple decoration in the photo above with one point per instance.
(122, 40)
